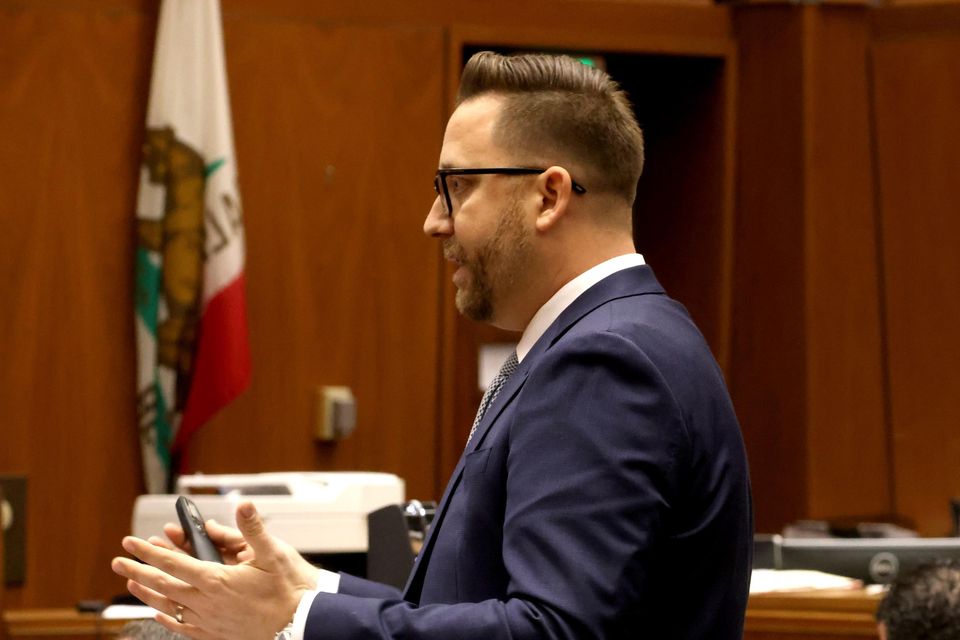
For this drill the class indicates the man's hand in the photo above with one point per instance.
(253, 599)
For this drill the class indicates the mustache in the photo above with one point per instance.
(453, 251)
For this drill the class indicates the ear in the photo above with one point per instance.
(555, 189)
(882, 631)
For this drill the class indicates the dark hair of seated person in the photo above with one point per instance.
(147, 630)
(923, 604)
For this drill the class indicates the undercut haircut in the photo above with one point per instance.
(557, 109)
(924, 604)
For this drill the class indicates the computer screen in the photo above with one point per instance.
(873, 560)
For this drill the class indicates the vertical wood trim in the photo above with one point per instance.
(729, 222)
(767, 374)
(847, 440)
(807, 90)
(884, 326)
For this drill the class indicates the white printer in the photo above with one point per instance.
(315, 512)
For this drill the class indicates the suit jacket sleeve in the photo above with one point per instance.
(586, 454)
(354, 586)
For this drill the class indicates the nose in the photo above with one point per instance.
(438, 224)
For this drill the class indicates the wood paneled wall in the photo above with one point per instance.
(807, 370)
(73, 86)
(849, 471)
(916, 96)
(815, 148)
(337, 132)
(342, 282)
(767, 374)
(844, 346)
(338, 111)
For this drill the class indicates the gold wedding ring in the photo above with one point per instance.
(179, 613)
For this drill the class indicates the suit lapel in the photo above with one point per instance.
(634, 281)
(414, 586)
(629, 282)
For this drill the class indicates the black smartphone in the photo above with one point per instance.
(196, 531)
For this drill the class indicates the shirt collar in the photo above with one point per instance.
(569, 292)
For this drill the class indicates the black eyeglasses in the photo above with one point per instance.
(441, 187)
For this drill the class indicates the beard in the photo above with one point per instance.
(494, 268)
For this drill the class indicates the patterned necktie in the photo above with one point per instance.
(509, 366)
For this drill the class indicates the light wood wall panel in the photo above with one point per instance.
(807, 366)
(848, 468)
(916, 96)
(337, 129)
(72, 101)
(843, 376)
(768, 368)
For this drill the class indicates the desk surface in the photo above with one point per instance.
(813, 615)
(58, 623)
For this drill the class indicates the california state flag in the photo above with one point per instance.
(192, 352)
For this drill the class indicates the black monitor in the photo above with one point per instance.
(766, 549)
(873, 560)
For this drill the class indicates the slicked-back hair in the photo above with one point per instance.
(557, 109)
(924, 604)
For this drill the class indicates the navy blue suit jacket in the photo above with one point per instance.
(605, 494)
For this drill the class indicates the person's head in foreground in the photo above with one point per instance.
(923, 604)
(147, 630)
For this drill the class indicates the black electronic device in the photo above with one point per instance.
(766, 551)
(196, 532)
(396, 533)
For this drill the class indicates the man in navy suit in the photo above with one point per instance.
(603, 492)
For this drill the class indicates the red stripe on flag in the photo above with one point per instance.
(222, 367)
